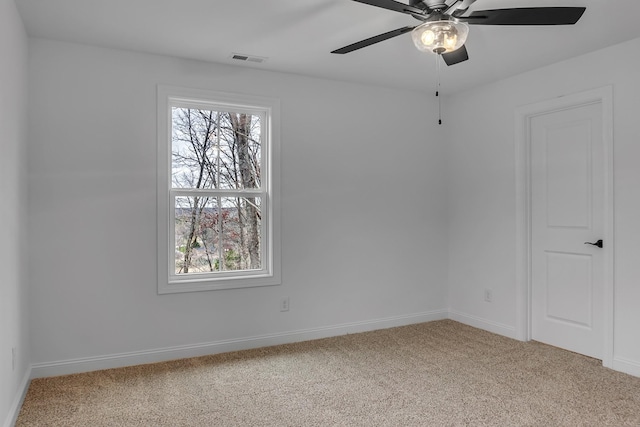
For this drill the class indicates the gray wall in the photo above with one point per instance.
(363, 209)
(13, 202)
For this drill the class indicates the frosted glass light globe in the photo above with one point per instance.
(440, 36)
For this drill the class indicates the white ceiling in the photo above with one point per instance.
(297, 36)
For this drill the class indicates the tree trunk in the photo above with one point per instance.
(242, 128)
(191, 239)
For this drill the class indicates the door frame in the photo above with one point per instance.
(523, 117)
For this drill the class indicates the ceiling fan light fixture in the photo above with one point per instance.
(440, 36)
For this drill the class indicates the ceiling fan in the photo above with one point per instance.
(444, 26)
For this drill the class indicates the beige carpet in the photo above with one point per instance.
(432, 374)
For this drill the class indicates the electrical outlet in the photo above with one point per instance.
(13, 358)
(284, 304)
(488, 295)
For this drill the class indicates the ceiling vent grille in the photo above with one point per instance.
(248, 58)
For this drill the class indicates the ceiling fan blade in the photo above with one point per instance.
(526, 16)
(373, 40)
(457, 56)
(394, 5)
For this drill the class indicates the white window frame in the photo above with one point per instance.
(269, 108)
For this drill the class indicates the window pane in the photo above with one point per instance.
(217, 234)
(212, 149)
(196, 235)
(193, 148)
(240, 151)
(242, 226)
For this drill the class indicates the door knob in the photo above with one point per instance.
(598, 243)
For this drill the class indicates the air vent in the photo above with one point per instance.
(248, 58)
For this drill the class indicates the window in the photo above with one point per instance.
(218, 182)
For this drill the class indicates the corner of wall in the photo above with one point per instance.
(16, 405)
(14, 337)
(480, 323)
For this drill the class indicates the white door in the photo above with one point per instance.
(567, 210)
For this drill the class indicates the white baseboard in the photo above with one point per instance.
(87, 364)
(14, 410)
(627, 366)
(480, 323)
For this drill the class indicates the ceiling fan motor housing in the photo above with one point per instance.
(430, 4)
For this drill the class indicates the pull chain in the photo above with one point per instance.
(438, 90)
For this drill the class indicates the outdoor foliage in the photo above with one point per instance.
(217, 154)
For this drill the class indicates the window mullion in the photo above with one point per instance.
(221, 263)
(201, 192)
(220, 235)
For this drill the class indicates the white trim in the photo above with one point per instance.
(270, 274)
(480, 323)
(523, 116)
(16, 405)
(627, 366)
(72, 366)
